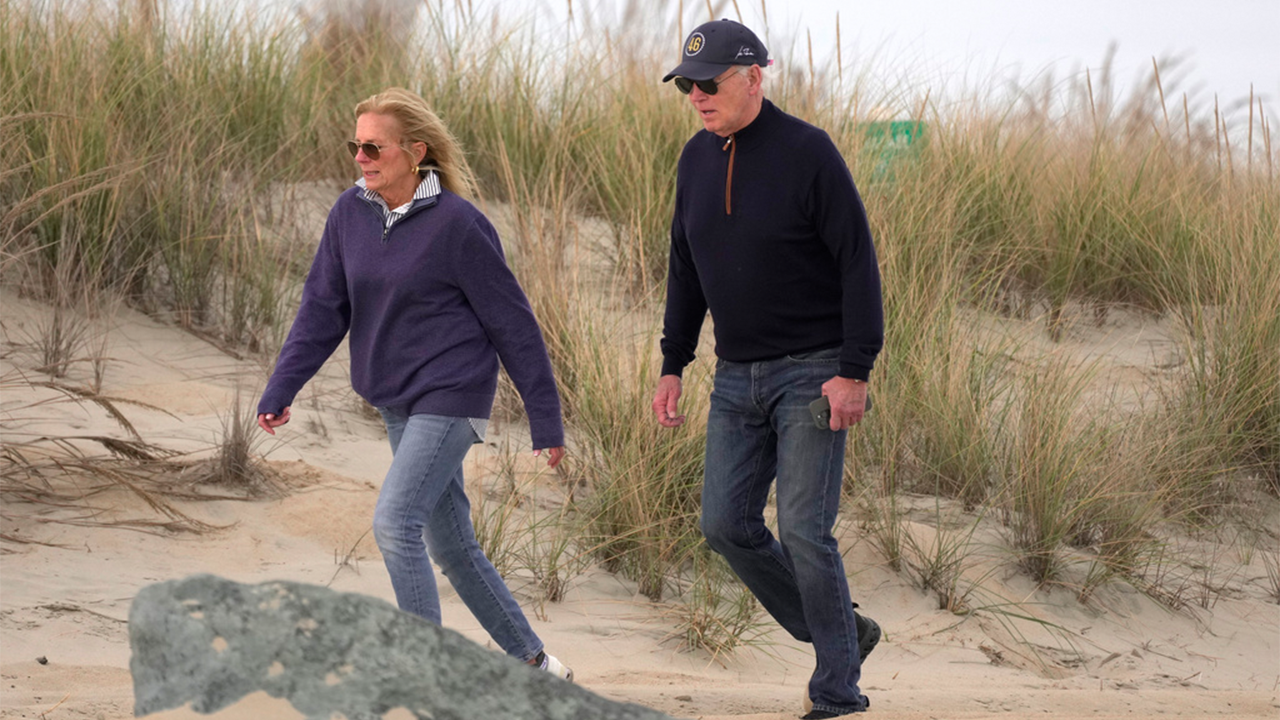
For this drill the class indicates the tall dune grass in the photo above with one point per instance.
(155, 155)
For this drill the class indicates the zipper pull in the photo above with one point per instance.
(728, 180)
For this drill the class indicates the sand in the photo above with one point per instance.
(68, 574)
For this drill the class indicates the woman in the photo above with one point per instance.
(417, 275)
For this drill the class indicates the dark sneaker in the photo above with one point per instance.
(868, 637)
(868, 634)
(826, 714)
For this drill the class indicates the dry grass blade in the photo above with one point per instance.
(106, 403)
(1271, 561)
(162, 528)
(349, 559)
(123, 476)
(131, 450)
(6, 537)
(97, 476)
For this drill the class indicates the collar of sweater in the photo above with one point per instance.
(758, 129)
(428, 188)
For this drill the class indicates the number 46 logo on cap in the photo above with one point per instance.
(695, 44)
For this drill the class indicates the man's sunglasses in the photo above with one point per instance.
(710, 87)
(371, 151)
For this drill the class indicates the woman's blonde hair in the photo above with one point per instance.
(419, 124)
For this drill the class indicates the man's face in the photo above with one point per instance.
(729, 110)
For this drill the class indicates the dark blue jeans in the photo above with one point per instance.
(759, 429)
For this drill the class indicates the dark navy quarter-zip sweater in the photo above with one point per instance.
(770, 235)
(431, 307)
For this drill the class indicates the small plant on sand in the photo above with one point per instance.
(940, 554)
(61, 339)
(641, 483)
(716, 613)
(237, 463)
(1055, 457)
(64, 478)
(494, 513)
(1271, 561)
(551, 553)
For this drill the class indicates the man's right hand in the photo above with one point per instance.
(666, 401)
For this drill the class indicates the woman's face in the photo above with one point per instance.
(391, 175)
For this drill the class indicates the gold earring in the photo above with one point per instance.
(415, 170)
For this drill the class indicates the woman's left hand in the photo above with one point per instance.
(554, 455)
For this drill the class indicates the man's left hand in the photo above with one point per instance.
(848, 398)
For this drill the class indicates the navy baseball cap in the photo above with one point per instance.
(716, 46)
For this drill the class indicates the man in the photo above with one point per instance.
(770, 234)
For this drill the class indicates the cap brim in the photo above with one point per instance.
(696, 70)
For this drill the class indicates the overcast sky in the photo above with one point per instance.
(1223, 45)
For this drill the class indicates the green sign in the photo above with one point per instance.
(890, 142)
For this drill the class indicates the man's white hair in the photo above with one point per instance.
(766, 72)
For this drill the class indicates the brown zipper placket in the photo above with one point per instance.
(732, 147)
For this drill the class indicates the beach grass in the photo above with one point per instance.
(153, 156)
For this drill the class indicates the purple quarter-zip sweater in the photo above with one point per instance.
(431, 307)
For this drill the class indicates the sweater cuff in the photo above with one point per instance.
(273, 403)
(855, 372)
(671, 366)
(546, 432)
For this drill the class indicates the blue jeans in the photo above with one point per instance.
(759, 428)
(423, 509)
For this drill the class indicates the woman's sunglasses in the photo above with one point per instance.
(710, 87)
(371, 151)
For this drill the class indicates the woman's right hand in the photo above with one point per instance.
(269, 421)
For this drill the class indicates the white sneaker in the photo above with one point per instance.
(555, 667)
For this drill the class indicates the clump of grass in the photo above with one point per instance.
(880, 502)
(1271, 561)
(1055, 463)
(1232, 329)
(552, 554)
(939, 562)
(494, 516)
(63, 476)
(521, 536)
(61, 338)
(132, 168)
(643, 481)
(237, 464)
(961, 405)
(1119, 529)
(716, 614)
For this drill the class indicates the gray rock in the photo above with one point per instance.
(210, 642)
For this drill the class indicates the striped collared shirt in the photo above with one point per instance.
(428, 187)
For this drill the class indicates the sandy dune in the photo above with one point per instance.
(68, 574)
